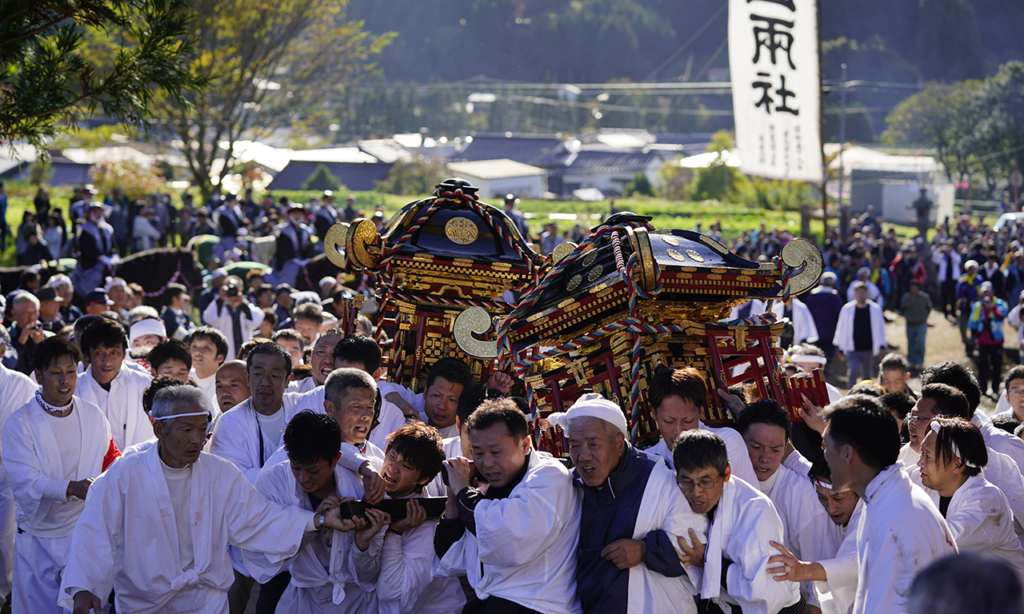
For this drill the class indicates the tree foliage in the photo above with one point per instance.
(269, 66)
(321, 179)
(49, 82)
(132, 178)
(416, 176)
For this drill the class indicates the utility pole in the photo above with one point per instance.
(844, 211)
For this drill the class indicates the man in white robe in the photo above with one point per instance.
(334, 571)
(54, 446)
(868, 343)
(406, 583)
(516, 539)
(902, 530)
(766, 428)
(834, 578)
(734, 554)
(438, 404)
(631, 518)
(17, 390)
(677, 398)
(941, 400)
(157, 525)
(209, 349)
(978, 515)
(363, 353)
(111, 385)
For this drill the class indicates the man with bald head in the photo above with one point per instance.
(322, 361)
(232, 385)
(631, 518)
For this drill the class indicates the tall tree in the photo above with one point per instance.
(1000, 113)
(269, 65)
(49, 83)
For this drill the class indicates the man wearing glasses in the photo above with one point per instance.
(734, 555)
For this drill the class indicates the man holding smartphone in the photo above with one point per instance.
(27, 331)
(986, 324)
(232, 314)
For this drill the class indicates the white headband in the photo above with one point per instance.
(819, 360)
(824, 485)
(592, 405)
(198, 413)
(936, 427)
(149, 326)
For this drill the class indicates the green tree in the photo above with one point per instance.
(413, 177)
(998, 137)
(321, 179)
(948, 41)
(269, 66)
(640, 185)
(50, 82)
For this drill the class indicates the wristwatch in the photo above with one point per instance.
(322, 519)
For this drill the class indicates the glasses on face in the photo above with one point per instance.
(913, 420)
(704, 485)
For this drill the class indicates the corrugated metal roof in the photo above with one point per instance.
(525, 149)
(495, 169)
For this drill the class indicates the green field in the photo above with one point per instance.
(734, 218)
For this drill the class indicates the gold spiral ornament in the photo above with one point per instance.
(474, 320)
(334, 244)
(802, 253)
(363, 244)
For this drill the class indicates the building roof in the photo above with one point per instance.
(589, 161)
(341, 155)
(520, 148)
(495, 169)
(360, 176)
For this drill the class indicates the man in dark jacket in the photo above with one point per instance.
(825, 303)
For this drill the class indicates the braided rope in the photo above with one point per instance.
(174, 278)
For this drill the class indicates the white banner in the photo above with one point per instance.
(776, 90)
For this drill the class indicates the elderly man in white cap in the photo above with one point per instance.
(968, 290)
(631, 518)
(874, 294)
(146, 333)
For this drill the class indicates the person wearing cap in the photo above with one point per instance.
(230, 222)
(96, 302)
(860, 334)
(49, 309)
(733, 554)
(1014, 319)
(327, 286)
(69, 312)
(915, 307)
(117, 290)
(967, 291)
(951, 470)
(986, 324)
(864, 275)
(293, 245)
(146, 333)
(515, 215)
(324, 216)
(213, 286)
(17, 389)
(54, 447)
(824, 303)
(948, 261)
(516, 539)
(95, 248)
(631, 517)
(378, 220)
(285, 301)
(232, 314)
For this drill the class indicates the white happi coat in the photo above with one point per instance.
(348, 585)
(836, 594)
(127, 538)
(804, 329)
(122, 406)
(902, 533)
(980, 520)
(390, 420)
(736, 448)
(999, 440)
(744, 523)
(524, 549)
(664, 507)
(406, 584)
(16, 389)
(844, 328)
(806, 523)
(415, 399)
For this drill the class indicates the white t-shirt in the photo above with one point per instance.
(179, 484)
(68, 433)
(273, 429)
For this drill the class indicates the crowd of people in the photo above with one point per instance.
(245, 453)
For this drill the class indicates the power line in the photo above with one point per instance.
(675, 55)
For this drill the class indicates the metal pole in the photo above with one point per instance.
(844, 215)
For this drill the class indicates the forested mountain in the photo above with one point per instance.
(602, 40)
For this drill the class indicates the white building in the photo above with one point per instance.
(496, 178)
